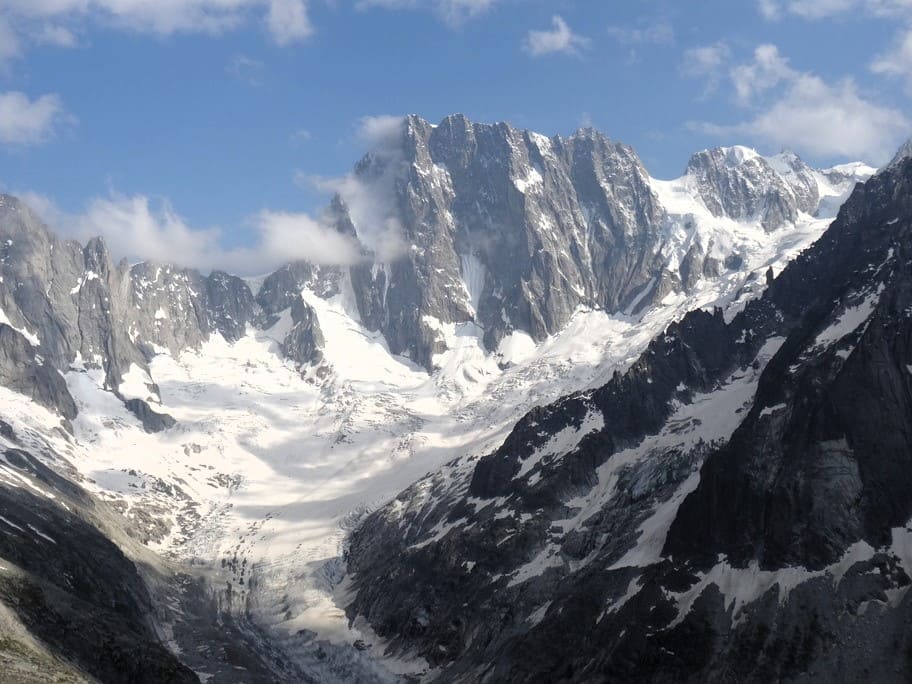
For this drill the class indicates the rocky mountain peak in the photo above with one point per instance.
(461, 224)
(904, 152)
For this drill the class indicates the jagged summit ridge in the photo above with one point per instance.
(547, 225)
(555, 536)
(499, 229)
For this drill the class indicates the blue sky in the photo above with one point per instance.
(197, 123)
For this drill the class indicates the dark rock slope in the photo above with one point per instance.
(81, 603)
(733, 507)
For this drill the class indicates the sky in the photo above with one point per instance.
(209, 132)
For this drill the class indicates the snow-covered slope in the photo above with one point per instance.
(272, 420)
(268, 468)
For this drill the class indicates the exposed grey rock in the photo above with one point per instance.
(831, 466)
(738, 183)
(904, 152)
(283, 288)
(500, 227)
(22, 370)
(151, 420)
(77, 306)
(506, 228)
(231, 305)
(304, 342)
(514, 231)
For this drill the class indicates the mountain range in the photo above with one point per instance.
(558, 420)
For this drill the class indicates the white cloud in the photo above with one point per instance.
(372, 198)
(454, 12)
(383, 131)
(707, 62)
(288, 21)
(825, 9)
(768, 69)
(560, 39)
(800, 110)
(137, 228)
(301, 136)
(288, 236)
(55, 21)
(769, 9)
(820, 119)
(897, 61)
(818, 9)
(58, 36)
(24, 121)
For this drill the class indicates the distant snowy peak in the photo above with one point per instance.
(857, 171)
(741, 184)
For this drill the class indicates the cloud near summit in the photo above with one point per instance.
(138, 228)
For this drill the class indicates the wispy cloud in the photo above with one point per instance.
(57, 22)
(58, 36)
(24, 121)
(766, 71)
(301, 136)
(10, 44)
(381, 131)
(707, 62)
(897, 61)
(774, 10)
(288, 21)
(139, 228)
(453, 12)
(769, 9)
(802, 111)
(559, 39)
(373, 201)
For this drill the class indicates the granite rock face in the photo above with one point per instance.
(304, 342)
(732, 507)
(514, 231)
(829, 466)
(66, 305)
(24, 371)
(736, 182)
